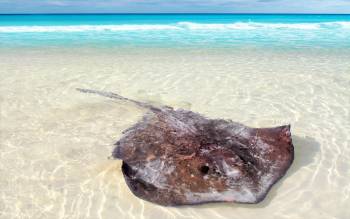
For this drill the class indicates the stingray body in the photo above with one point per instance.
(178, 157)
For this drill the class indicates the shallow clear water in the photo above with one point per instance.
(55, 142)
(253, 30)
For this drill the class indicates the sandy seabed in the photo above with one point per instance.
(55, 142)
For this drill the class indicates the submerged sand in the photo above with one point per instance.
(55, 142)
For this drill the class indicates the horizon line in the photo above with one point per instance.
(176, 13)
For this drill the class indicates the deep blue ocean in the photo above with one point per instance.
(176, 30)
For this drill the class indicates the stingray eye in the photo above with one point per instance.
(204, 169)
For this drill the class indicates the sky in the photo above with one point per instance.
(174, 6)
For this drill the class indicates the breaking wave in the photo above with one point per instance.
(178, 26)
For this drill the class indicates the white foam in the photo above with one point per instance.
(198, 26)
(255, 25)
(82, 28)
(176, 26)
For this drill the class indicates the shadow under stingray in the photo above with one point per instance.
(305, 149)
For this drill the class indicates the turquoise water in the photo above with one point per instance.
(176, 30)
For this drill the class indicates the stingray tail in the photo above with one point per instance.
(115, 96)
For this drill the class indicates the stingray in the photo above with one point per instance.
(179, 157)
